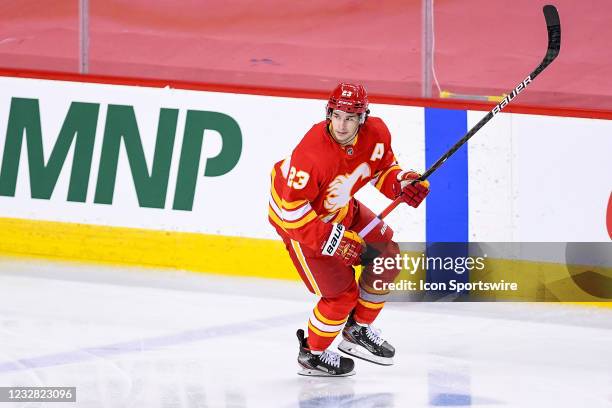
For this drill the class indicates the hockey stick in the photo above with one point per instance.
(554, 45)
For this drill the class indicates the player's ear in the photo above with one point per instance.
(364, 116)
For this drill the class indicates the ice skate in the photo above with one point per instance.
(365, 343)
(326, 364)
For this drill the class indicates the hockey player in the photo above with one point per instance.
(313, 210)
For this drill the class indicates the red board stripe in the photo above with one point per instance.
(304, 93)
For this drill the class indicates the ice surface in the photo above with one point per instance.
(128, 337)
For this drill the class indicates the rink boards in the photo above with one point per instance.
(180, 178)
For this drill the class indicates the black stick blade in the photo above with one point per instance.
(551, 15)
(553, 25)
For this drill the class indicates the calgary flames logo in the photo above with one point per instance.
(339, 190)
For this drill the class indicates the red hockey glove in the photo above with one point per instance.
(412, 193)
(344, 244)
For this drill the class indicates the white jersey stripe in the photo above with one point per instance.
(324, 327)
(290, 215)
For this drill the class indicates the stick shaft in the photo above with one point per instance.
(554, 44)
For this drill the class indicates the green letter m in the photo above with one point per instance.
(80, 125)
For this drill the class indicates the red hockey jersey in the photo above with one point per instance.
(314, 187)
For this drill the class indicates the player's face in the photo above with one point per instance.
(344, 125)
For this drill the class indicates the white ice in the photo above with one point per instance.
(128, 337)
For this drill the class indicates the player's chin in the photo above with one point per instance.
(341, 137)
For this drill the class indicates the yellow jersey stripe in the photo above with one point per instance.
(325, 320)
(371, 305)
(322, 333)
(311, 215)
(341, 214)
(300, 223)
(322, 326)
(288, 205)
(290, 216)
(309, 276)
(382, 178)
(275, 218)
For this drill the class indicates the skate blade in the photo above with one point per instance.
(356, 350)
(309, 372)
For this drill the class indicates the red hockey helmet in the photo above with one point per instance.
(349, 98)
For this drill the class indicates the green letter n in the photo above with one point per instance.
(121, 124)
